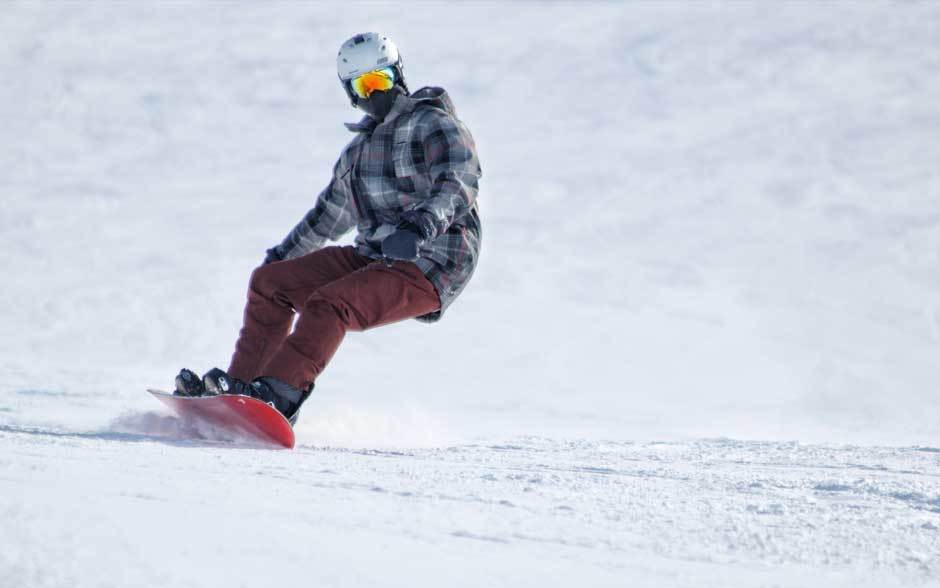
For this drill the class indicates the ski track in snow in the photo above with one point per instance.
(700, 349)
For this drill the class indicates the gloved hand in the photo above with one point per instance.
(272, 255)
(403, 244)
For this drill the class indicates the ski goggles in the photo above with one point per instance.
(376, 80)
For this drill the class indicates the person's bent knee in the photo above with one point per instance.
(262, 281)
(324, 303)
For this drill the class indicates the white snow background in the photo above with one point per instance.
(700, 348)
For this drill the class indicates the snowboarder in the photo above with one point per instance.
(408, 182)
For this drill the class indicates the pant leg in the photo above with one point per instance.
(372, 296)
(275, 291)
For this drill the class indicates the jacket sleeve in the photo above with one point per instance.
(450, 153)
(331, 218)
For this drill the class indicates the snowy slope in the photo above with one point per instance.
(538, 513)
(701, 221)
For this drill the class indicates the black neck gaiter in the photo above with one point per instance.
(379, 104)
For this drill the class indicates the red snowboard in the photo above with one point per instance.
(246, 416)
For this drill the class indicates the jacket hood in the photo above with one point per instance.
(429, 96)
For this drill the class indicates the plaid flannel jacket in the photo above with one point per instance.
(421, 160)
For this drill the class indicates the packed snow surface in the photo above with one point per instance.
(124, 509)
(701, 347)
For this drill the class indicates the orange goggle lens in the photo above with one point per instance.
(380, 79)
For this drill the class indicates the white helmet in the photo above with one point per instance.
(366, 52)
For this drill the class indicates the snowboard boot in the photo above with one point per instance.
(217, 381)
(189, 384)
(282, 396)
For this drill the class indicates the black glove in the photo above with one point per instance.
(272, 255)
(403, 244)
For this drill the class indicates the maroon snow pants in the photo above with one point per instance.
(333, 290)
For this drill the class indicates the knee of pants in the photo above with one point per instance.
(260, 281)
(323, 302)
